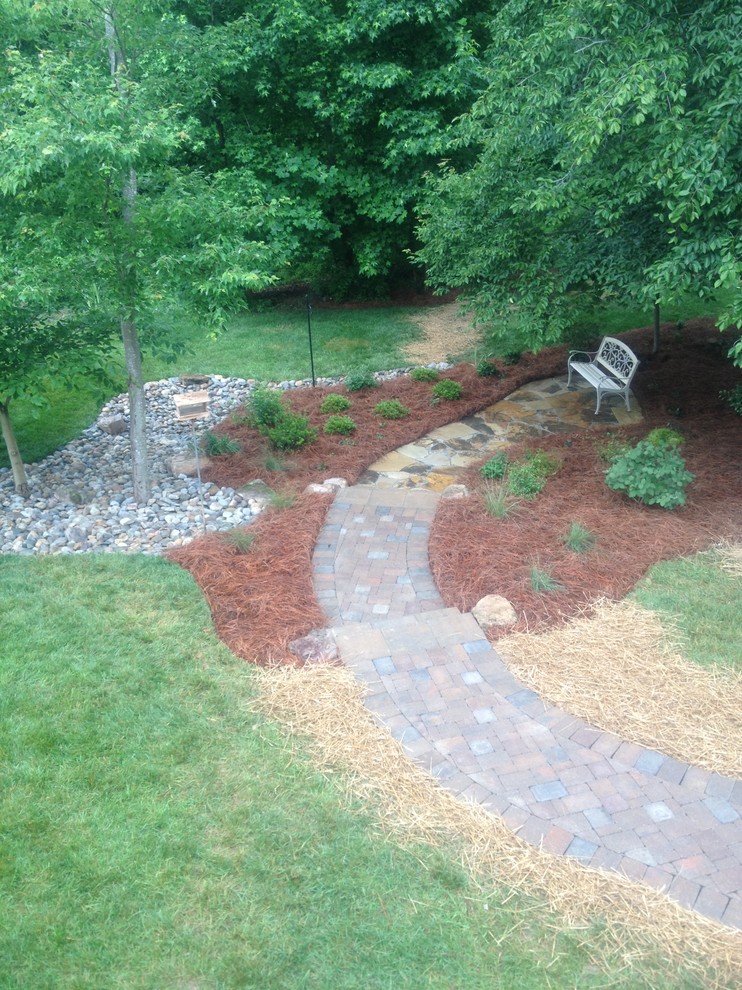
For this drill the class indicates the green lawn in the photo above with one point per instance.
(155, 832)
(700, 603)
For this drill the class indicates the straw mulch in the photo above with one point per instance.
(474, 554)
(615, 669)
(325, 704)
(262, 598)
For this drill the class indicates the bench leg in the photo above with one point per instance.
(600, 397)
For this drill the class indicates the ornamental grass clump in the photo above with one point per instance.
(652, 472)
(578, 539)
(217, 444)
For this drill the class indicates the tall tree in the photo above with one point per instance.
(609, 162)
(92, 156)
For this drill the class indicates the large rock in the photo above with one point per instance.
(186, 464)
(494, 610)
(318, 646)
(115, 424)
(455, 491)
(195, 379)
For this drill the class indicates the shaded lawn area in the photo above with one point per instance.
(156, 832)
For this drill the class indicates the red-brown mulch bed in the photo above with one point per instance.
(263, 598)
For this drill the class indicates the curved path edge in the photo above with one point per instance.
(436, 682)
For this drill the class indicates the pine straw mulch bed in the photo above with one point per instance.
(325, 705)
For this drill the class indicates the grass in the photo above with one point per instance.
(578, 539)
(702, 603)
(157, 832)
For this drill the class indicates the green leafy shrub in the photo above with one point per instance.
(578, 539)
(340, 424)
(512, 357)
(663, 436)
(424, 375)
(486, 369)
(495, 467)
(526, 478)
(291, 432)
(391, 409)
(335, 403)
(265, 408)
(217, 444)
(654, 475)
(357, 380)
(447, 389)
(733, 398)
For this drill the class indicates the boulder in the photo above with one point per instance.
(455, 491)
(335, 483)
(114, 424)
(186, 464)
(195, 379)
(494, 610)
(318, 646)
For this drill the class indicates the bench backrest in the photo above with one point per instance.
(617, 358)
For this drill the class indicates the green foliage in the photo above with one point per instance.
(358, 380)
(340, 424)
(543, 582)
(241, 539)
(608, 160)
(578, 539)
(425, 375)
(487, 369)
(733, 398)
(664, 436)
(527, 477)
(391, 409)
(495, 467)
(335, 404)
(448, 389)
(217, 444)
(291, 431)
(654, 475)
(265, 408)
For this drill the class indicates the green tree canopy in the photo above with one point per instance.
(609, 162)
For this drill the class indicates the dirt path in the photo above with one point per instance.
(448, 332)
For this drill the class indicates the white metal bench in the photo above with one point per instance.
(609, 369)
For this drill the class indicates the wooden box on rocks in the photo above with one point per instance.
(192, 405)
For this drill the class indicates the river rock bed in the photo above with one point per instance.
(82, 498)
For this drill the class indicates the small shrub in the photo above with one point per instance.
(495, 467)
(733, 398)
(496, 500)
(265, 408)
(608, 450)
(291, 432)
(447, 389)
(240, 539)
(335, 403)
(217, 444)
(486, 369)
(578, 539)
(525, 481)
(357, 380)
(542, 581)
(542, 462)
(391, 409)
(654, 475)
(424, 375)
(663, 436)
(340, 424)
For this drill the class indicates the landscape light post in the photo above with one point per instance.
(189, 408)
(309, 329)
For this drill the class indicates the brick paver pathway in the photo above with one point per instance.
(435, 680)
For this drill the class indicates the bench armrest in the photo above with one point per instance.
(588, 354)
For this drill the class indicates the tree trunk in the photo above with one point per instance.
(656, 340)
(16, 461)
(127, 276)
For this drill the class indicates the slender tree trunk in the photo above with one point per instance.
(656, 340)
(127, 274)
(16, 461)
